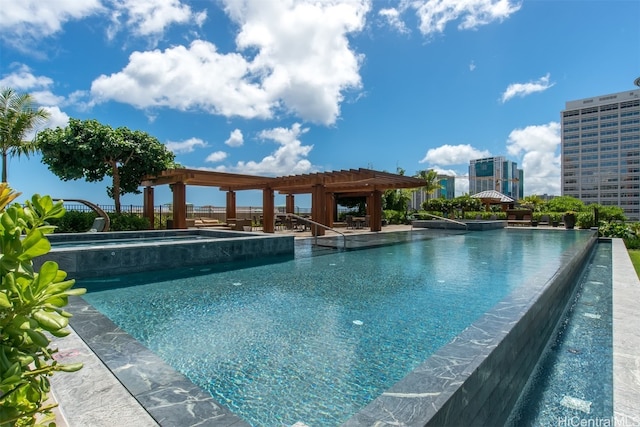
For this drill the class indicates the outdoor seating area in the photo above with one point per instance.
(519, 218)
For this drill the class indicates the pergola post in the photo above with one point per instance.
(179, 205)
(268, 210)
(374, 207)
(147, 207)
(330, 207)
(231, 204)
(290, 206)
(318, 209)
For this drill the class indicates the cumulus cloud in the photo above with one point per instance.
(537, 147)
(22, 80)
(453, 155)
(289, 159)
(216, 156)
(151, 17)
(187, 146)
(297, 59)
(26, 20)
(434, 15)
(235, 139)
(524, 89)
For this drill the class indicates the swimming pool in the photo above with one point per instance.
(84, 255)
(315, 339)
(573, 382)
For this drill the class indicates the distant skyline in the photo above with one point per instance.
(283, 87)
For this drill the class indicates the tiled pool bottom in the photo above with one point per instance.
(152, 385)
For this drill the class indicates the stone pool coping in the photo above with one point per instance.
(96, 396)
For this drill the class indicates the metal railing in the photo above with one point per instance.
(317, 224)
(447, 219)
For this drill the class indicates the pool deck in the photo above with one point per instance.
(95, 397)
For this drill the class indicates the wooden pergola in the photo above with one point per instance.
(324, 187)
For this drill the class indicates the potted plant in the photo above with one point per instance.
(569, 220)
(555, 219)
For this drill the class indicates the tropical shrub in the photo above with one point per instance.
(73, 222)
(31, 308)
(128, 222)
(564, 204)
(585, 220)
(394, 217)
(609, 213)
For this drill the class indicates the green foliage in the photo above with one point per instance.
(359, 204)
(128, 222)
(585, 220)
(431, 181)
(90, 150)
(74, 222)
(18, 116)
(634, 243)
(394, 217)
(564, 204)
(617, 229)
(397, 200)
(533, 203)
(31, 305)
(609, 213)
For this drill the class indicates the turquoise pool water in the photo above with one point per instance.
(316, 338)
(573, 383)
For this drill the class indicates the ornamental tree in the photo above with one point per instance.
(90, 150)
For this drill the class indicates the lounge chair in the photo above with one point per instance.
(98, 225)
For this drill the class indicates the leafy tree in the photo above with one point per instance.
(431, 181)
(90, 150)
(18, 116)
(533, 202)
(565, 204)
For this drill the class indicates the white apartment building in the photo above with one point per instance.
(600, 140)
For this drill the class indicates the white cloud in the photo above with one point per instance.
(392, 16)
(472, 65)
(537, 147)
(25, 20)
(235, 139)
(151, 17)
(298, 59)
(524, 89)
(453, 154)
(22, 79)
(434, 15)
(187, 146)
(216, 156)
(180, 78)
(289, 159)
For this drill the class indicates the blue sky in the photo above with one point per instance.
(282, 87)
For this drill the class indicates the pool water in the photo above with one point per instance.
(573, 382)
(98, 243)
(316, 338)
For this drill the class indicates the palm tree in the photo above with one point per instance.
(431, 181)
(18, 116)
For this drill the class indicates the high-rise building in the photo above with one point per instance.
(447, 190)
(601, 151)
(496, 173)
